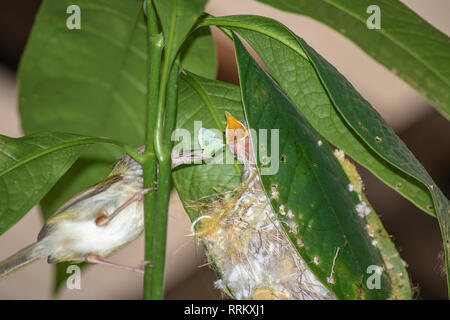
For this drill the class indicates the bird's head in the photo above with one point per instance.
(237, 137)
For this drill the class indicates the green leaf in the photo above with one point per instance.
(30, 166)
(198, 55)
(92, 81)
(374, 131)
(202, 104)
(337, 111)
(259, 25)
(177, 18)
(396, 267)
(405, 44)
(287, 61)
(311, 184)
(297, 76)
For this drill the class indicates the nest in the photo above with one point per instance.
(248, 245)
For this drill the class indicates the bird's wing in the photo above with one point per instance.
(66, 212)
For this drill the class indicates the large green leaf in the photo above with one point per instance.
(405, 44)
(290, 66)
(198, 55)
(311, 184)
(205, 101)
(374, 131)
(92, 81)
(31, 165)
(177, 18)
(335, 109)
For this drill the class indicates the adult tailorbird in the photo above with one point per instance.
(97, 221)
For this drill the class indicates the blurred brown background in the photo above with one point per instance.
(425, 132)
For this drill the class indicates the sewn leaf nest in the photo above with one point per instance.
(246, 241)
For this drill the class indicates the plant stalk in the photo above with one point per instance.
(155, 47)
(163, 93)
(164, 126)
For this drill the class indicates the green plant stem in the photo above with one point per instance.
(155, 47)
(172, 102)
(162, 151)
(164, 125)
(162, 128)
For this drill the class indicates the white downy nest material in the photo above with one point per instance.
(250, 249)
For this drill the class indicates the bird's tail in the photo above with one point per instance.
(22, 258)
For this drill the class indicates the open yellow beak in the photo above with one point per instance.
(235, 130)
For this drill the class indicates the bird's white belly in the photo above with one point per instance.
(85, 237)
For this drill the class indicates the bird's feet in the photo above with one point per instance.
(95, 259)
